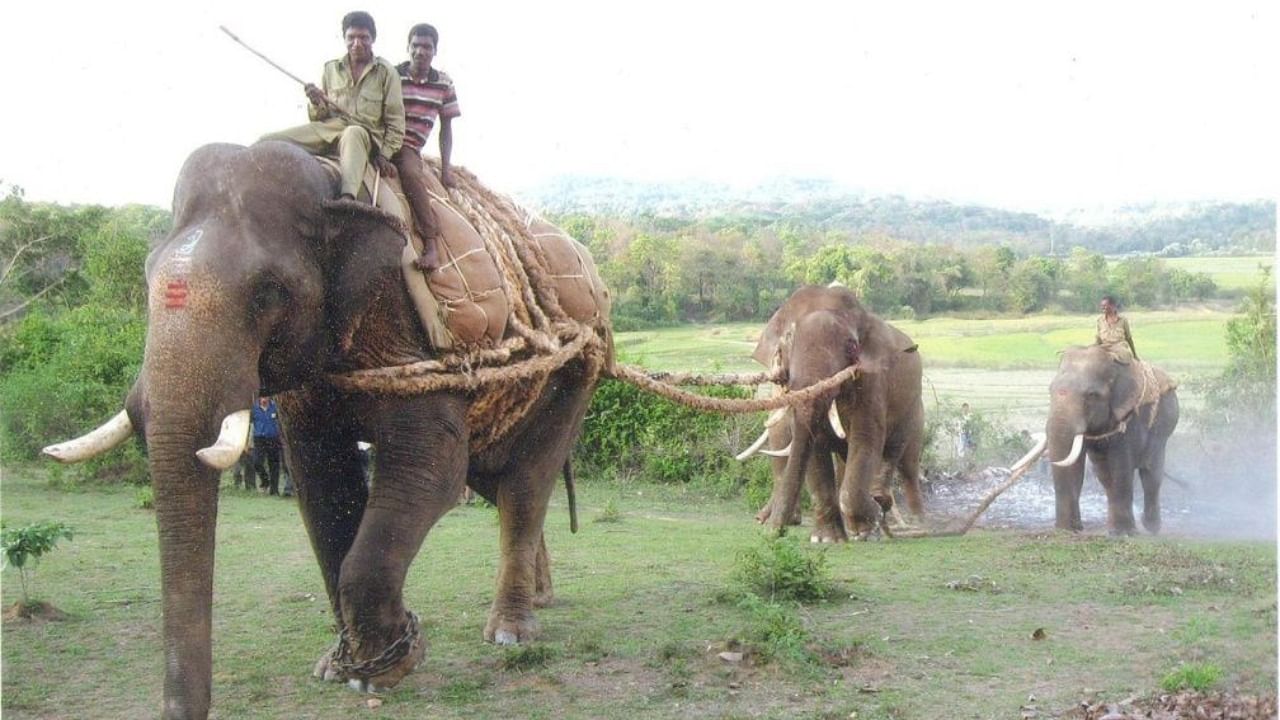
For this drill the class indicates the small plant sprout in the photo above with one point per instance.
(23, 547)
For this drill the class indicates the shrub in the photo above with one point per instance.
(23, 547)
(676, 444)
(1193, 676)
(781, 568)
(775, 630)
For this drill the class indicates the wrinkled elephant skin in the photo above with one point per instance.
(262, 285)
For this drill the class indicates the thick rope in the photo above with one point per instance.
(731, 405)
(717, 379)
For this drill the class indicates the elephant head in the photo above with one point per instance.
(878, 416)
(258, 286)
(1096, 404)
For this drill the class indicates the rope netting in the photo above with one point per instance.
(505, 380)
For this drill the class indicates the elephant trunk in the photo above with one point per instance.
(196, 409)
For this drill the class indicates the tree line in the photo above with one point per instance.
(665, 271)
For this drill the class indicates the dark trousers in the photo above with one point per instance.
(243, 473)
(266, 462)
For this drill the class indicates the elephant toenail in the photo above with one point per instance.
(505, 637)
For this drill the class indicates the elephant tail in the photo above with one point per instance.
(573, 498)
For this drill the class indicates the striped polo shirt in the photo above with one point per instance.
(424, 101)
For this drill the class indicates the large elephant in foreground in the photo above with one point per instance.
(1121, 415)
(874, 421)
(264, 283)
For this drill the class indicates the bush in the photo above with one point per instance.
(31, 543)
(780, 568)
(677, 444)
(775, 630)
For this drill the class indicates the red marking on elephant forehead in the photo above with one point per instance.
(1062, 392)
(175, 294)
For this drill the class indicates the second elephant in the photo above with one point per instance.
(815, 334)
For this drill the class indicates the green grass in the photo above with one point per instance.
(1189, 339)
(637, 626)
(1230, 273)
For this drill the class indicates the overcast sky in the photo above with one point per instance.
(1026, 105)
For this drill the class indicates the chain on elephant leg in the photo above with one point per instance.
(379, 672)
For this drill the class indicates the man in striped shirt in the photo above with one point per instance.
(428, 95)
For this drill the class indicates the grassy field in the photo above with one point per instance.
(998, 365)
(941, 628)
(1230, 273)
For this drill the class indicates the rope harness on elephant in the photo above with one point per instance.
(504, 380)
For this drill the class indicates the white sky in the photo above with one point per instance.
(1027, 105)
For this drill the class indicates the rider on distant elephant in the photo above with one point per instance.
(428, 95)
(1113, 332)
(358, 111)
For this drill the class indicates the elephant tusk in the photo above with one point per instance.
(784, 452)
(107, 436)
(231, 442)
(775, 417)
(833, 417)
(1041, 443)
(759, 443)
(1070, 459)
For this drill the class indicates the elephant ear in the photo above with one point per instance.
(363, 247)
(1126, 390)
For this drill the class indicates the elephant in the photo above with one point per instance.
(1119, 414)
(266, 283)
(874, 422)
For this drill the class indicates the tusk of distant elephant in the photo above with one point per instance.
(105, 437)
(833, 416)
(784, 452)
(231, 442)
(1041, 443)
(1070, 459)
(775, 417)
(759, 443)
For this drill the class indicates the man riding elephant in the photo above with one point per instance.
(358, 111)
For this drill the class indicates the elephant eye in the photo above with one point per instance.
(269, 295)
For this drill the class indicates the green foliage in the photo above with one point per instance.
(781, 568)
(527, 657)
(609, 513)
(994, 443)
(144, 498)
(630, 431)
(30, 543)
(1243, 398)
(775, 630)
(1200, 677)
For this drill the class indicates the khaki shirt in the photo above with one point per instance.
(374, 101)
(1116, 338)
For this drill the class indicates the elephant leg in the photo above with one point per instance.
(821, 479)
(544, 592)
(909, 469)
(534, 462)
(1067, 485)
(1152, 475)
(861, 512)
(328, 478)
(419, 470)
(779, 437)
(785, 500)
(1116, 476)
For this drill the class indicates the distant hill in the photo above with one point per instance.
(1166, 228)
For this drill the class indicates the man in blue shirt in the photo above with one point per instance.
(266, 444)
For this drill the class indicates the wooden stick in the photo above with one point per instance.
(268, 60)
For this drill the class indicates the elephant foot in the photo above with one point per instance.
(1151, 524)
(766, 514)
(544, 598)
(380, 672)
(1122, 532)
(827, 531)
(510, 628)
